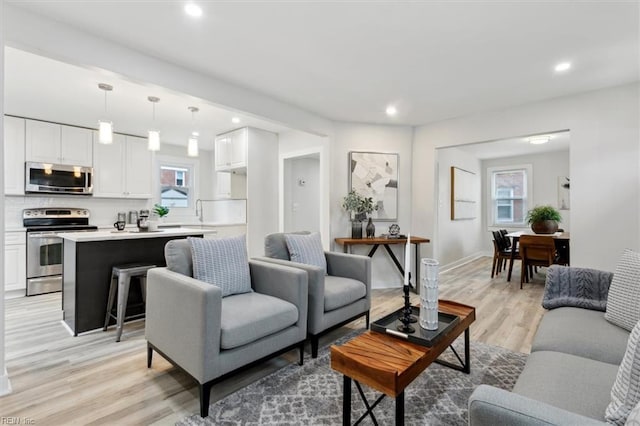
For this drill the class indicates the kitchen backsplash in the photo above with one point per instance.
(104, 211)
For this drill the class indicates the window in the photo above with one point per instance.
(509, 189)
(175, 186)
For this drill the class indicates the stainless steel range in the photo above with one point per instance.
(44, 244)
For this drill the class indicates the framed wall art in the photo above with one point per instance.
(463, 197)
(375, 175)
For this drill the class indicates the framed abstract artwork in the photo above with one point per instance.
(375, 175)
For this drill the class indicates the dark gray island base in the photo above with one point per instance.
(87, 267)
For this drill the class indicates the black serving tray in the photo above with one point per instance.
(389, 325)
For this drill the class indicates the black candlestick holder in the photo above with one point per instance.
(405, 317)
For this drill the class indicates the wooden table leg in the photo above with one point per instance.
(346, 401)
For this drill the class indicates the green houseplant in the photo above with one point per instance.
(544, 219)
(358, 208)
(161, 211)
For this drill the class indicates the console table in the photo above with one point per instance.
(347, 243)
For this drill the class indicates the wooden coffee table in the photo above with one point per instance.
(389, 364)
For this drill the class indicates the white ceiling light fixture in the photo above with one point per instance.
(562, 67)
(192, 142)
(539, 140)
(154, 135)
(193, 10)
(235, 120)
(105, 127)
(391, 111)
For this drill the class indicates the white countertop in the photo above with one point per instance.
(130, 234)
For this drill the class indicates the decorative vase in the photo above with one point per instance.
(429, 294)
(356, 229)
(545, 227)
(371, 229)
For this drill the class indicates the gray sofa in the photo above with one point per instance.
(190, 324)
(335, 299)
(574, 359)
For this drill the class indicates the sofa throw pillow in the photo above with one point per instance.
(306, 249)
(634, 416)
(625, 393)
(623, 304)
(222, 262)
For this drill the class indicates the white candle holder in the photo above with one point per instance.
(429, 294)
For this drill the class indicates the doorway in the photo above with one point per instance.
(301, 193)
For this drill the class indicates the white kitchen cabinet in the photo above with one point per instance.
(231, 150)
(15, 261)
(58, 144)
(122, 169)
(250, 157)
(138, 170)
(14, 129)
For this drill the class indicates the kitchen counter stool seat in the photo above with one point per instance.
(121, 280)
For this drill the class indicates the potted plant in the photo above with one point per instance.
(161, 211)
(358, 208)
(544, 219)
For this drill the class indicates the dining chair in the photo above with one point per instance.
(502, 252)
(535, 250)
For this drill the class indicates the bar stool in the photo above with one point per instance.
(121, 279)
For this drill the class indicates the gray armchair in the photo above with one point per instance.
(190, 324)
(335, 299)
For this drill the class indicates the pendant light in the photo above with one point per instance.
(154, 135)
(192, 143)
(105, 127)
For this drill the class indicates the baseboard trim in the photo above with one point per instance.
(463, 261)
(5, 384)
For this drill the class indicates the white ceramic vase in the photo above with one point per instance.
(429, 294)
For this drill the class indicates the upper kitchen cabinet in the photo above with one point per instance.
(250, 158)
(122, 169)
(231, 150)
(58, 144)
(14, 155)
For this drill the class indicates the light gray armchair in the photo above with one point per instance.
(190, 324)
(335, 299)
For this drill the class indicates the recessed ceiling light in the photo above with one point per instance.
(196, 134)
(235, 120)
(391, 111)
(539, 140)
(562, 67)
(193, 9)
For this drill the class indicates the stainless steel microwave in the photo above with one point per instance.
(58, 179)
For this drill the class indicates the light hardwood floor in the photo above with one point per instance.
(58, 379)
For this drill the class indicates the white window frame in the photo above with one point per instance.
(509, 204)
(181, 163)
(491, 200)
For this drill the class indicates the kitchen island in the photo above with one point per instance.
(86, 268)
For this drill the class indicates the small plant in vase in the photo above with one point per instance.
(358, 208)
(161, 211)
(544, 219)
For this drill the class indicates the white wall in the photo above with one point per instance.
(301, 194)
(604, 162)
(5, 385)
(378, 138)
(462, 239)
(295, 144)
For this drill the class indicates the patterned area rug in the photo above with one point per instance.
(312, 394)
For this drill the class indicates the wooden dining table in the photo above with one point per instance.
(561, 238)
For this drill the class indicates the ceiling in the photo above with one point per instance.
(347, 60)
(559, 141)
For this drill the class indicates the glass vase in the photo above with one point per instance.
(429, 294)
(356, 229)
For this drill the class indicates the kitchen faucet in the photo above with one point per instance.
(200, 212)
